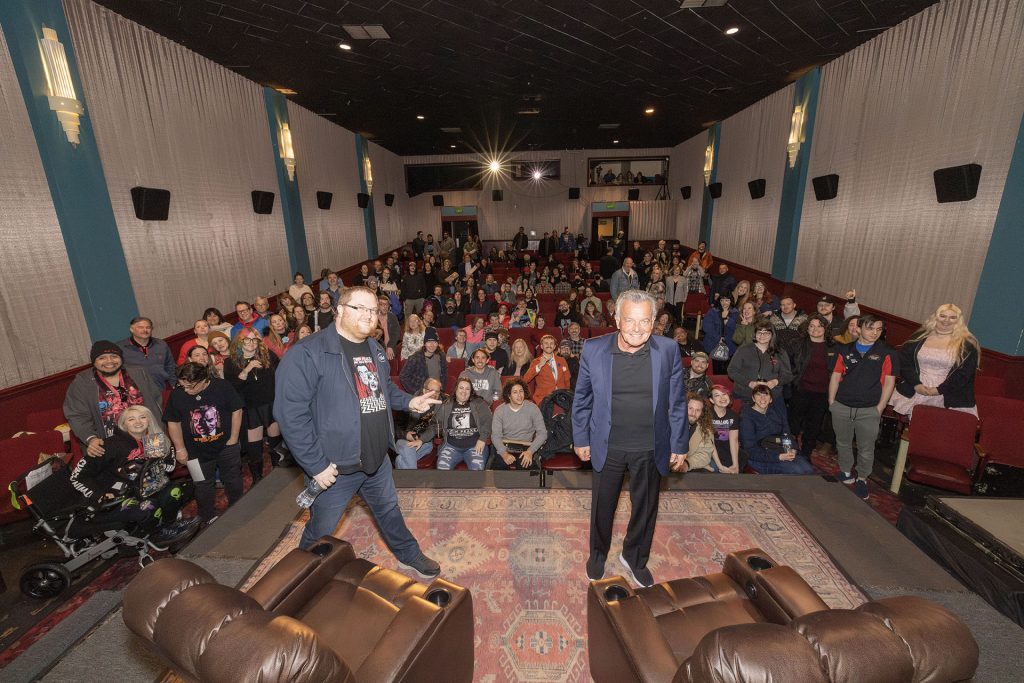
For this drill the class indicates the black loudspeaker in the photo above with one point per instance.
(686, 191)
(634, 194)
(495, 195)
(389, 199)
(574, 193)
(953, 184)
(152, 204)
(363, 199)
(262, 202)
(715, 190)
(438, 199)
(323, 200)
(756, 188)
(825, 186)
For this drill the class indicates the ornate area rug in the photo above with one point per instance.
(523, 555)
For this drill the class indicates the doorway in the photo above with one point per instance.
(603, 230)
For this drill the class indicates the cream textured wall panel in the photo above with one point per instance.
(944, 88)
(395, 225)
(687, 168)
(165, 117)
(42, 331)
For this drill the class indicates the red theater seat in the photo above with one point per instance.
(940, 449)
(987, 385)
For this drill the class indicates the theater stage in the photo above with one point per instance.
(93, 644)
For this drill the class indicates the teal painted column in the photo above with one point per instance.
(794, 180)
(291, 203)
(369, 222)
(998, 320)
(74, 173)
(707, 205)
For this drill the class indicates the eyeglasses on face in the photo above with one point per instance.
(363, 310)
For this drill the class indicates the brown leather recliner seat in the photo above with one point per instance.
(321, 616)
(757, 621)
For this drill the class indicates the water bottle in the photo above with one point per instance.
(308, 495)
(787, 443)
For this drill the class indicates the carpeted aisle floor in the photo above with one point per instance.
(523, 555)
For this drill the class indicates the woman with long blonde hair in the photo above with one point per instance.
(938, 364)
(412, 335)
(741, 294)
(519, 359)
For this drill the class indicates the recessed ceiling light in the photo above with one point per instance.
(344, 46)
(453, 146)
(732, 30)
(537, 175)
(420, 117)
(494, 166)
(615, 142)
(649, 110)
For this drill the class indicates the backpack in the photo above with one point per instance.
(559, 426)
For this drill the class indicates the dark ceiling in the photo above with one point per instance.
(475, 64)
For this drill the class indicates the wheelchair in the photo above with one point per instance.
(74, 526)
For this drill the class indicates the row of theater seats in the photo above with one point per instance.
(325, 616)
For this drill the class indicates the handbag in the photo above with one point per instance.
(720, 352)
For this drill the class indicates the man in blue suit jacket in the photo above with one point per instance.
(629, 414)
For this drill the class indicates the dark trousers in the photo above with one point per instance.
(644, 487)
(229, 463)
(807, 411)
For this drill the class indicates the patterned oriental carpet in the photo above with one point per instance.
(523, 555)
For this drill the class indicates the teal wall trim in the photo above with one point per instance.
(291, 202)
(369, 222)
(998, 321)
(75, 174)
(794, 180)
(707, 205)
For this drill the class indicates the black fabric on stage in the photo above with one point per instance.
(972, 565)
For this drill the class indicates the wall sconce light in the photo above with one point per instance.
(287, 151)
(59, 86)
(709, 162)
(796, 134)
(368, 172)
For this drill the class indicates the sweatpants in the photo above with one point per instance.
(862, 424)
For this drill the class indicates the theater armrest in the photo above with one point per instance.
(625, 641)
(300, 574)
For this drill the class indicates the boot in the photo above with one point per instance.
(280, 456)
(254, 457)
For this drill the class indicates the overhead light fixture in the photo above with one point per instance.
(344, 46)
(366, 31)
(286, 91)
(615, 142)
(731, 31)
(494, 166)
(649, 110)
(608, 126)
(287, 150)
(709, 162)
(59, 87)
(452, 146)
(420, 117)
(537, 175)
(529, 111)
(701, 4)
(796, 134)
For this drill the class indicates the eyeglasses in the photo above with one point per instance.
(759, 332)
(250, 340)
(363, 310)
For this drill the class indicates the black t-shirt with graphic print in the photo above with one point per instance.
(205, 418)
(461, 430)
(373, 406)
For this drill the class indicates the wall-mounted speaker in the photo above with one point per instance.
(363, 199)
(686, 191)
(495, 195)
(574, 193)
(634, 194)
(389, 199)
(956, 183)
(262, 202)
(756, 188)
(715, 190)
(438, 199)
(324, 199)
(150, 203)
(825, 186)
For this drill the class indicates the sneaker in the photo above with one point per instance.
(861, 489)
(847, 477)
(641, 577)
(175, 533)
(425, 567)
(595, 569)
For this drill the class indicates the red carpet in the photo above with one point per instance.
(522, 553)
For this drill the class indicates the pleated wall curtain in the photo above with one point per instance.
(394, 227)
(167, 118)
(943, 88)
(687, 168)
(752, 146)
(42, 330)
(326, 161)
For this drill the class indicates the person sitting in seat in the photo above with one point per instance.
(763, 419)
(417, 444)
(517, 430)
(133, 470)
(465, 421)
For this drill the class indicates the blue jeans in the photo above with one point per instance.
(449, 456)
(378, 491)
(409, 456)
(799, 465)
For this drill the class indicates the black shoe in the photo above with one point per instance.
(641, 577)
(595, 569)
(860, 487)
(425, 567)
(176, 532)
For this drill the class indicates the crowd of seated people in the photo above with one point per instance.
(504, 330)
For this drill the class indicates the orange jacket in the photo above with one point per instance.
(543, 380)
